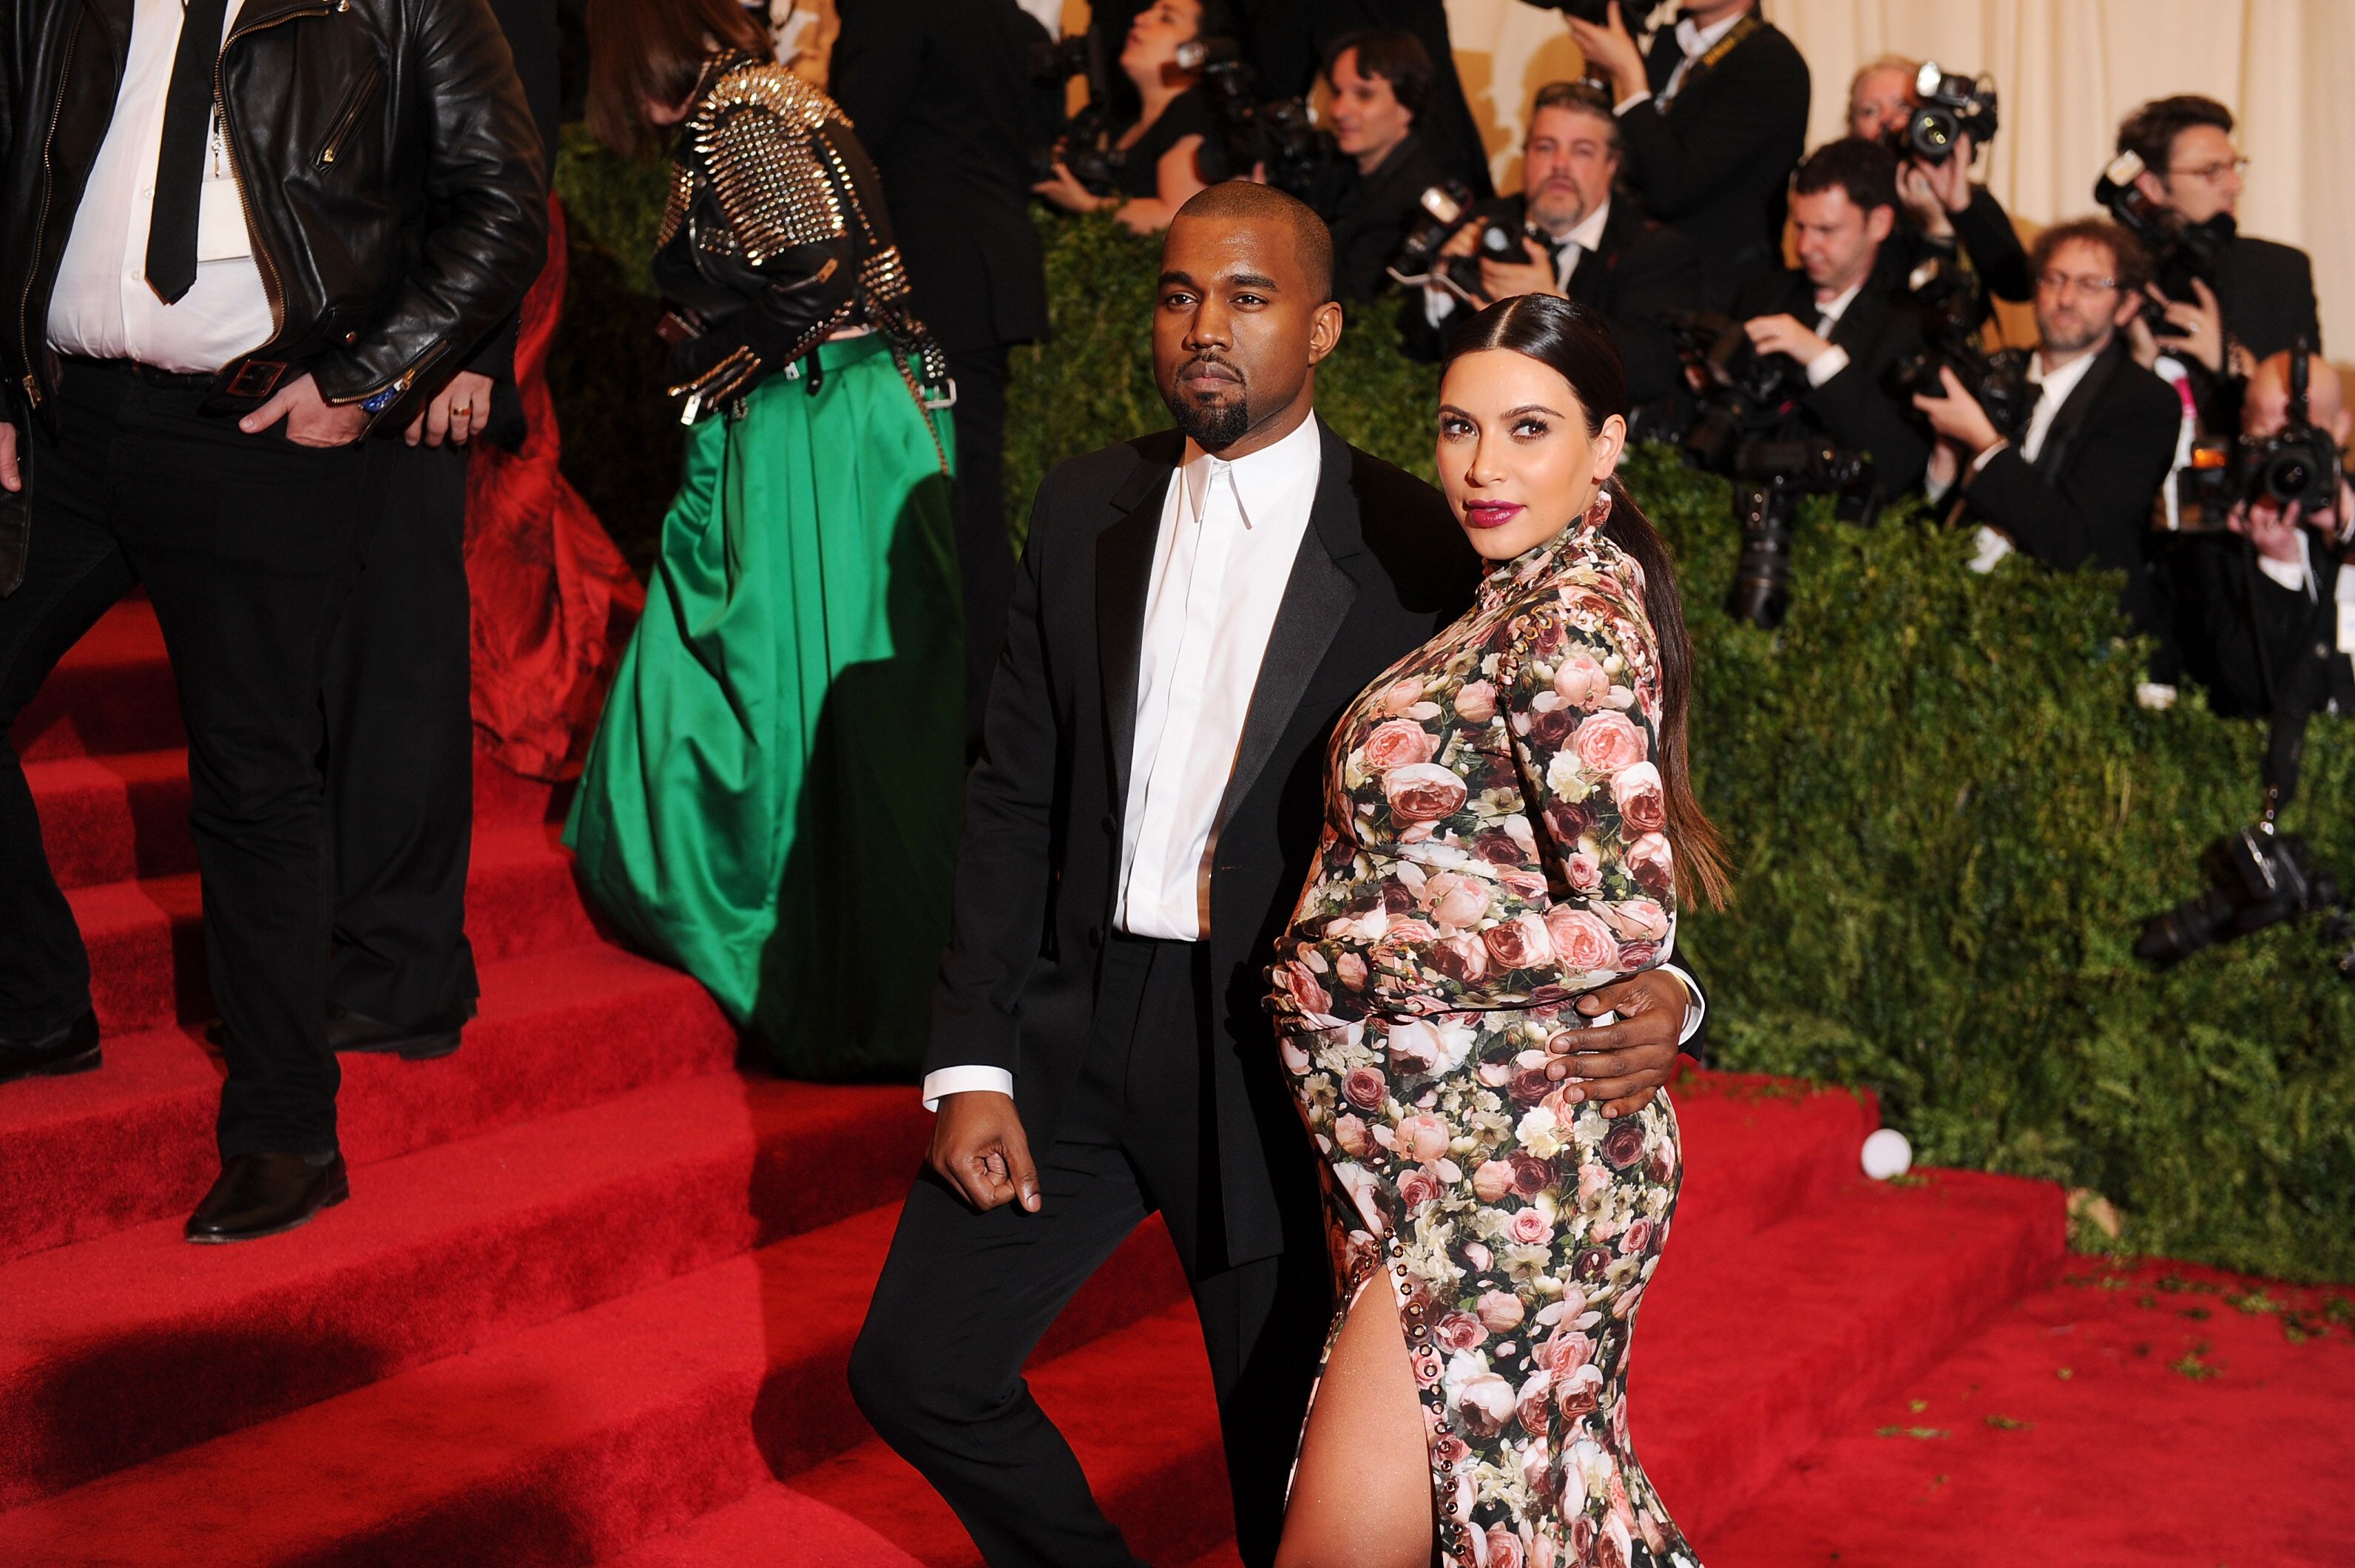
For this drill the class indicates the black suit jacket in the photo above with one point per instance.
(1640, 271)
(1717, 163)
(2086, 499)
(1855, 408)
(1369, 214)
(1286, 41)
(940, 93)
(1983, 234)
(1380, 569)
(2246, 638)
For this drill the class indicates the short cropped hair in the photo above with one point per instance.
(1866, 169)
(1248, 200)
(2130, 262)
(1579, 98)
(2149, 133)
(1397, 57)
(1911, 68)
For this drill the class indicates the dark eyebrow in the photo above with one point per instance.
(1183, 280)
(1252, 281)
(1532, 408)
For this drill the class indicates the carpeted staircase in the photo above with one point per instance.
(591, 1298)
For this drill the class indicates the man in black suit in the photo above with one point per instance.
(1839, 315)
(1713, 120)
(941, 92)
(2074, 488)
(1941, 211)
(2263, 297)
(1193, 612)
(1289, 40)
(1367, 195)
(1576, 241)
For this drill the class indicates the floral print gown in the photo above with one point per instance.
(1495, 845)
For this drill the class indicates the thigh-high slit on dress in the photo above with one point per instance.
(1495, 847)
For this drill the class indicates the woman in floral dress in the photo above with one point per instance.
(1508, 816)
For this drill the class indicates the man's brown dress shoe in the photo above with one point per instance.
(263, 1194)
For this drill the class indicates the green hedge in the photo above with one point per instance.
(1949, 815)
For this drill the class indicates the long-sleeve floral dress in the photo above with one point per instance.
(1495, 845)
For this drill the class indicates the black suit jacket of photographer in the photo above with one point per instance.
(940, 92)
(1859, 408)
(1983, 235)
(1717, 163)
(2086, 499)
(1368, 213)
(2248, 639)
(1640, 271)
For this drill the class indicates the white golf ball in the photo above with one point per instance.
(1887, 1154)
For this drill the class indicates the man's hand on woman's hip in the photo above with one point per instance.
(1621, 1065)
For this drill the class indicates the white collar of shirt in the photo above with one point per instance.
(1696, 41)
(1575, 245)
(1837, 306)
(2055, 388)
(1263, 482)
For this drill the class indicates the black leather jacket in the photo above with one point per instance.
(392, 178)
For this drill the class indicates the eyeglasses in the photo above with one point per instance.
(2062, 284)
(2215, 173)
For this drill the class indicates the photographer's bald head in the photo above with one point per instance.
(1242, 313)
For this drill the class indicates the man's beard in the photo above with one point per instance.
(1213, 427)
(2081, 332)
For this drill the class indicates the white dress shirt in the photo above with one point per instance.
(2298, 577)
(1834, 359)
(102, 306)
(1694, 41)
(1438, 303)
(2053, 391)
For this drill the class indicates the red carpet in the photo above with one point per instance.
(593, 1296)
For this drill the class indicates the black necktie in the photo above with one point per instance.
(180, 161)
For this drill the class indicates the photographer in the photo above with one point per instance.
(1837, 317)
(2075, 487)
(1287, 42)
(2279, 591)
(1157, 171)
(1712, 121)
(2261, 299)
(1942, 212)
(1369, 195)
(1574, 240)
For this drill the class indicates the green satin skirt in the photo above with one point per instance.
(772, 798)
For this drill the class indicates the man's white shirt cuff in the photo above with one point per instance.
(965, 1080)
(1827, 365)
(1630, 101)
(2290, 574)
(1696, 1005)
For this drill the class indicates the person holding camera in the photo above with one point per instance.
(2262, 298)
(1288, 41)
(1712, 120)
(1158, 171)
(1837, 314)
(2075, 487)
(1941, 211)
(1570, 239)
(2281, 592)
(1367, 196)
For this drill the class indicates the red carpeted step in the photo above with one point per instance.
(567, 1441)
(124, 815)
(135, 1345)
(771, 1523)
(83, 1155)
(2156, 1413)
(146, 940)
(112, 692)
(1758, 1150)
(1745, 1359)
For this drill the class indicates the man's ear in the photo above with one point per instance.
(2153, 188)
(1879, 223)
(1324, 330)
(2129, 304)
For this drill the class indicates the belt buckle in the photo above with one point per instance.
(256, 378)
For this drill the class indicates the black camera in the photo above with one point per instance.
(2297, 465)
(1277, 135)
(1952, 107)
(1056, 62)
(1443, 211)
(1081, 142)
(1742, 392)
(1594, 12)
(2179, 251)
(2256, 877)
(1952, 310)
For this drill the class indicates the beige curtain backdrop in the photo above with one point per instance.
(2067, 70)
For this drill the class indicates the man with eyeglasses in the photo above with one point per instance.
(2072, 488)
(2263, 297)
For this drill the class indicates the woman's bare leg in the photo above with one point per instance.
(1361, 1496)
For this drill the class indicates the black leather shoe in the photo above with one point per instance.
(263, 1194)
(73, 1048)
(348, 1030)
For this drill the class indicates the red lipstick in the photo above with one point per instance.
(1490, 514)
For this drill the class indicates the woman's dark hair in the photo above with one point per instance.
(1572, 341)
(642, 51)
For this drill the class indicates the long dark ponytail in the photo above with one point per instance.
(1572, 341)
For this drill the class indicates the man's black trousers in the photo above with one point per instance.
(400, 782)
(249, 545)
(964, 1297)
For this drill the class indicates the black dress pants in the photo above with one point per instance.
(985, 557)
(249, 545)
(965, 1297)
(400, 737)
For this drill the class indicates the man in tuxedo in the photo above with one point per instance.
(1712, 120)
(2076, 487)
(2274, 619)
(1194, 609)
(941, 92)
(1839, 315)
(1287, 42)
(1382, 84)
(238, 254)
(1574, 240)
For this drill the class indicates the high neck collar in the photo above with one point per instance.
(1506, 579)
